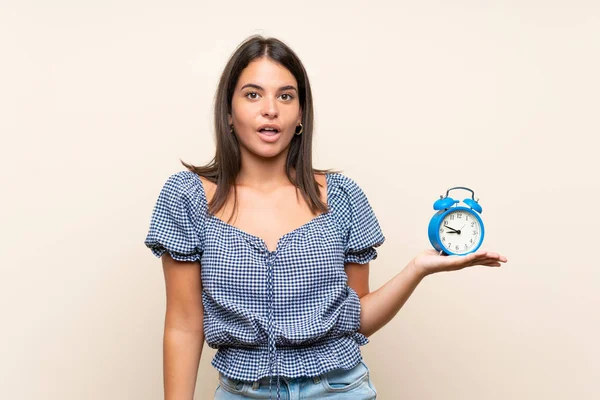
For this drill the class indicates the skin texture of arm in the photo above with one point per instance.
(184, 331)
(380, 306)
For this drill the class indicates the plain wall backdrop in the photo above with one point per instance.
(100, 99)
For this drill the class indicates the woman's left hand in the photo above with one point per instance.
(430, 261)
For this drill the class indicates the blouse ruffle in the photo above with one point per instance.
(342, 352)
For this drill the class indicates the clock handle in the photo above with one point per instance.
(464, 188)
(472, 202)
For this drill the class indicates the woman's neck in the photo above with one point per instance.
(263, 173)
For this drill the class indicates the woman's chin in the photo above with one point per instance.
(268, 151)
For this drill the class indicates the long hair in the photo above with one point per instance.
(225, 166)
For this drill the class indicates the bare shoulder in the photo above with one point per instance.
(321, 179)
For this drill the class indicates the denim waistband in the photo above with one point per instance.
(265, 380)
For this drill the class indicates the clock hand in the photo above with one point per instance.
(452, 232)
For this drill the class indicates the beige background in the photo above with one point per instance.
(100, 99)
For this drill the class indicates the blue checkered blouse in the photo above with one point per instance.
(286, 312)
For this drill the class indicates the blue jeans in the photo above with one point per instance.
(338, 384)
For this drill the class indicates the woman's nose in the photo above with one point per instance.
(269, 107)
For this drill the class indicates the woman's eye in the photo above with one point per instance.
(254, 96)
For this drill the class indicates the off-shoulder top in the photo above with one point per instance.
(287, 312)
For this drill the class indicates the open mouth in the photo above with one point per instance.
(269, 134)
(269, 131)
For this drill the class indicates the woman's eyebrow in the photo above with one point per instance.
(255, 86)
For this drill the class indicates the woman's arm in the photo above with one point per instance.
(379, 307)
(184, 329)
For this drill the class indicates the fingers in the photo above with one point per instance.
(490, 255)
(478, 257)
(497, 256)
(490, 264)
(481, 257)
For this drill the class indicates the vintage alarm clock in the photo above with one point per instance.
(456, 230)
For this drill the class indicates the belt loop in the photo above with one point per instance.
(316, 379)
(255, 385)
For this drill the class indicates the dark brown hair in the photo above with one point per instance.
(225, 166)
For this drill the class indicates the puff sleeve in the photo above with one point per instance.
(177, 221)
(360, 227)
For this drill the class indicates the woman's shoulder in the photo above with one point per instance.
(178, 215)
(352, 209)
(188, 186)
(183, 178)
(184, 186)
(343, 187)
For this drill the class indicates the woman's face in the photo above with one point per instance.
(265, 108)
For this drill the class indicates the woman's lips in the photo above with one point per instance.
(269, 136)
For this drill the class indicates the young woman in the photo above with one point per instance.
(267, 258)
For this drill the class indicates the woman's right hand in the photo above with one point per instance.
(430, 261)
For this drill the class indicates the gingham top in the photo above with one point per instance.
(287, 312)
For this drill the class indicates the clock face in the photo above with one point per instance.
(460, 232)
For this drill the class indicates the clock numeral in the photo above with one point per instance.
(472, 224)
(459, 215)
(471, 240)
(466, 246)
(443, 238)
(445, 223)
(452, 217)
(449, 245)
(474, 232)
(441, 230)
(456, 247)
(467, 218)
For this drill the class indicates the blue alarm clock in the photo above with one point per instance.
(456, 230)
